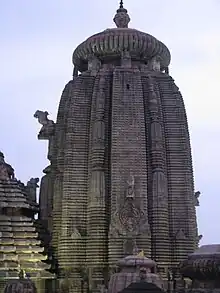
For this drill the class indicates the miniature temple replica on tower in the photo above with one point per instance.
(21, 252)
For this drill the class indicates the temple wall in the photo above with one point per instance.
(46, 201)
(75, 174)
(157, 170)
(128, 158)
(57, 166)
(180, 174)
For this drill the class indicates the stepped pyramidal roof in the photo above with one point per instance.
(20, 247)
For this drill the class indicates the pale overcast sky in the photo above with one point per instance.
(37, 40)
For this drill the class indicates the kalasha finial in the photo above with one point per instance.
(122, 18)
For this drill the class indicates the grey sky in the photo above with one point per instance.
(37, 41)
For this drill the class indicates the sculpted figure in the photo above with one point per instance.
(6, 170)
(42, 118)
(48, 125)
(31, 188)
(130, 188)
(199, 238)
(21, 185)
(196, 198)
(93, 63)
(125, 59)
(155, 63)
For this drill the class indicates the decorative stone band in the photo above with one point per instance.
(112, 42)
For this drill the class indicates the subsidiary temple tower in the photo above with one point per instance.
(120, 179)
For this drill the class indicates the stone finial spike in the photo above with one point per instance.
(121, 4)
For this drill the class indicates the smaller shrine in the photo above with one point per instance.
(133, 270)
(203, 268)
(21, 250)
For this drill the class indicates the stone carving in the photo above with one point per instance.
(21, 185)
(129, 216)
(130, 246)
(42, 118)
(31, 188)
(129, 220)
(180, 235)
(196, 198)
(48, 125)
(6, 170)
(94, 63)
(75, 235)
(125, 59)
(154, 63)
(199, 238)
(130, 188)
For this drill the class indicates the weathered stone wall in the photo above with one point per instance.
(121, 129)
(128, 158)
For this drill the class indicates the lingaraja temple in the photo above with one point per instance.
(120, 180)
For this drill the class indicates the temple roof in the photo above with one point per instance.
(210, 249)
(20, 247)
(112, 42)
(203, 263)
(12, 196)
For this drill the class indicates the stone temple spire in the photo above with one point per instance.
(122, 18)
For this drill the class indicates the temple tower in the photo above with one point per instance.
(121, 169)
(21, 250)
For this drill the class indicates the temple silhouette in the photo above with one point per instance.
(117, 206)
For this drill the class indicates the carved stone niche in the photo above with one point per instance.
(48, 126)
(94, 64)
(154, 64)
(125, 59)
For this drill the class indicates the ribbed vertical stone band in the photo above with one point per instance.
(96, 248)
(180, 174)
(157, 179)
(128, 154)
(74, 199)
(46, 200)
(58, 163)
